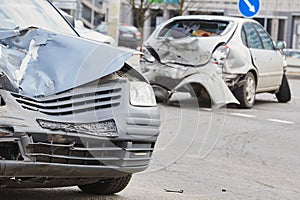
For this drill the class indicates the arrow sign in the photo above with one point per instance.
(249, 8)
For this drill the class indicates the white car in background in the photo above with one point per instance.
(223, 58)
(86, 32)
(91, 34)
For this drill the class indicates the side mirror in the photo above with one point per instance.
(280, 45)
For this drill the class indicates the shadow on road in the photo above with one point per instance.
(54, 193)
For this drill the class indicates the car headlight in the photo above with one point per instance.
(141, 94)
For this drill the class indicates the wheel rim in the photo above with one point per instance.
(250, 90)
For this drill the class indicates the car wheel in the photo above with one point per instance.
(109, 186)
(284, 93)
(245, 94)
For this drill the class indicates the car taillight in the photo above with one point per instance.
(138, 35)
(220, 55)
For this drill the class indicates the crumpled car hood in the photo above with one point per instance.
(42, 63)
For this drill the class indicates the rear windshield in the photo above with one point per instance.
(193, 28)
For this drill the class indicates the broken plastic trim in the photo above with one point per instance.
(106, 128)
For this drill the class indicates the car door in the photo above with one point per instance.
(267, 60)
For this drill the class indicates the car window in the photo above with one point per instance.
(244, 38)
(265, 38)
(193, 28)
(252, 37)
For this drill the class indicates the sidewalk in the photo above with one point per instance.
(293, 72)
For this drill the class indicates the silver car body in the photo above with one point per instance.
(182, 57)
(72, 111)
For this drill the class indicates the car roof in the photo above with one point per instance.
(212, 17)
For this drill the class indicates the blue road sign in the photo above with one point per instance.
(249, 8)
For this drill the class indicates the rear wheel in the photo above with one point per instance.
(284, 93)
(245, 94)
(109, 186)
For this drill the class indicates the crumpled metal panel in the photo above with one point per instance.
(185, 51)
(42, 63)
(193, 51)
(209, 76)
(213, 83)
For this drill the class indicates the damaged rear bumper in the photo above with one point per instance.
(176, 77)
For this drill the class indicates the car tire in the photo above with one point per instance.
(109, 186)
(284, 93)
(245, 94)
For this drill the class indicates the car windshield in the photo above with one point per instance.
(193, 28)
(15, 14)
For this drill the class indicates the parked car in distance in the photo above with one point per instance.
(292, 57)
(73, 112)
(129, 36)
(200, 54)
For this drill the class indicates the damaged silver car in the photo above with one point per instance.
(225, 59)
(72, 111)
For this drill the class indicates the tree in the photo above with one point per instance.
(139, 10)
(180, 5)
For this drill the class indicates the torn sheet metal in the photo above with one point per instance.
(185, 51)
(211, 80)
(208, 76)
(41, 63)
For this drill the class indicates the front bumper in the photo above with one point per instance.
(29, 150)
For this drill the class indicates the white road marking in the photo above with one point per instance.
(243, 115)
(281, 121)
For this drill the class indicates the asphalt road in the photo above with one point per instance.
(203, 153)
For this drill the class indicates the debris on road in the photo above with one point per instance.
(175, 191)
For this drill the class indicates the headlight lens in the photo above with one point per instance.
(141, 94)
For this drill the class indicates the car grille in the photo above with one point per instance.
(79, 151)
(83, 99)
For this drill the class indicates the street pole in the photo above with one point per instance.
(78, 12)
(93, 14)
(266, 13)
(113, 19)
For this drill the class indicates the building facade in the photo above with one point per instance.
(280, 18)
